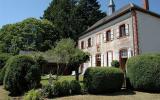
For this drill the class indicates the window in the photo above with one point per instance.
(124, 53)
(82, 45)
(89, 42)
(108, 35)
(98, 60)
(124, 30)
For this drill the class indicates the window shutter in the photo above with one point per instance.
(101, 38)
(117, 33)
(127, 29)
(104, 37)
(112, 34)
(92, 41)
(87, 43)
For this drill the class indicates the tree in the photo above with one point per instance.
(88, 11)
(72, 17)
(65, 52)
(30, 35)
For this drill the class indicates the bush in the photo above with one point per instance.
(33, 95)
(75, 87)
(144, 72)
(48, 91)
(102, 80)
(21, 74)
(115, 63)
(2, 74)
(65, 88)
(3, 59)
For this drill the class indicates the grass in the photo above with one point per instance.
(123, 95)
(44, 79)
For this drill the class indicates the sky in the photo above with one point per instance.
(12, 11)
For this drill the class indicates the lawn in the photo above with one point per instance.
(124, 95)
(44, 79)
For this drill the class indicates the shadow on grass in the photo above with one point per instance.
(122, 92)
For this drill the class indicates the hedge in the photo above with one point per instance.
(144, 72)
(3, 59)
(103, 80)
(61, 88)
(22, 74)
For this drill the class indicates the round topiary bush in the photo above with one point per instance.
(21, 74)
(75, 87)
(103, 80)
(144, 72)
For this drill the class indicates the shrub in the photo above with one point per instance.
(33, 95)
(102, 80)
(2, 74)
(48, 91)
(144, 72)
(21, 74)
(75, 87)
(115, 63)
(3, 59)
(65, 88)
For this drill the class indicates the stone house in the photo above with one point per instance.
(129, 31)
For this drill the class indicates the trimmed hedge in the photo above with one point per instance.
(22, 74)
(3, 59)
(75, 87)
(144, 72)
(103, 80)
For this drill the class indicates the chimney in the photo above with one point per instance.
(146, 4)
(111, 7)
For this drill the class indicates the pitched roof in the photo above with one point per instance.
(118, 13)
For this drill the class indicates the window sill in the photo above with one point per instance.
(123, 37)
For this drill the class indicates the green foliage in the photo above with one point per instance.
(61, 88)
(33, 95)
(103, 80)
(29, 35)
(72, 17)
(48, 91)
(66, 52)
(3, 59)
(75, 87)
(21, 74)
(144, 72)
(115, 63)
(2, 74)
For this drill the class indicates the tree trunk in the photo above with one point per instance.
(77, 73)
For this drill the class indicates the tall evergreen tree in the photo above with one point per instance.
(72, 17)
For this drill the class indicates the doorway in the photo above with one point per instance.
(98, 60)
(123, 58)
